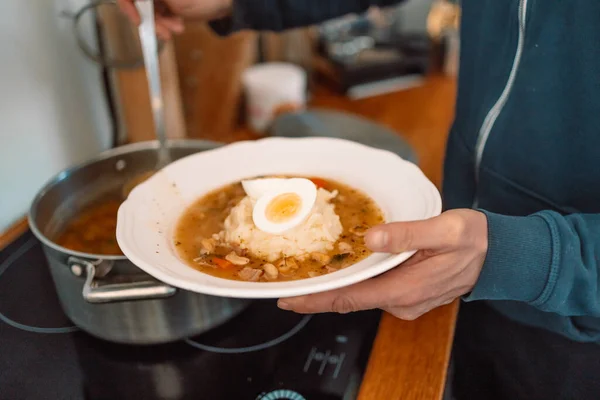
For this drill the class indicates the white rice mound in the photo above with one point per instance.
(318, 233)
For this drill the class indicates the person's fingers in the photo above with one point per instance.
(418, 257)
(128, 8)
(173, 24)
(401, 285)
(406, 291)
(365, 295)
(411, 313)
(163, 32)
(432, 234)
(165, 23)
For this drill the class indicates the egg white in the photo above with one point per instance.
(255, 188)
(303, 188)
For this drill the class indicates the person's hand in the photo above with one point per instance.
(451, 249)
(170, 13)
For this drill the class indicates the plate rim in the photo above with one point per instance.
(265, 290)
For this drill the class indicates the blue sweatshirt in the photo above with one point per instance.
(524, 147)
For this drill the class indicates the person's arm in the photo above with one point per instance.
(548, 260)
(278, 15)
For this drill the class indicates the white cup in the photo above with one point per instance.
(271, 89)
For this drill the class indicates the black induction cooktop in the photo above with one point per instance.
(264, 353)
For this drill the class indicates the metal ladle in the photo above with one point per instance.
(150, 51)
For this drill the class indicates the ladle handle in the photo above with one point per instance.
(95, 293)
(150, 50)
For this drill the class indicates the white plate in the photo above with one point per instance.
(147, 219)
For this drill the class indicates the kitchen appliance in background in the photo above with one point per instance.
(370, 54)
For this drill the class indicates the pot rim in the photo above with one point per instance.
(64, 174)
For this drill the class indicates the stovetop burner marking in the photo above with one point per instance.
(221, 350)
(34, 329)
(281, 394)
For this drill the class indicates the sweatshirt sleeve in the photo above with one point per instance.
(548, 260)
(279, 15)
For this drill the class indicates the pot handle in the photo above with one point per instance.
(116, 292)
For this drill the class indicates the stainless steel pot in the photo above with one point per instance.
(108, 296)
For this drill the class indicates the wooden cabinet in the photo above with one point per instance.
(210, 69)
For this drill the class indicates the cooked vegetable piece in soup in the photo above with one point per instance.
(277, 229)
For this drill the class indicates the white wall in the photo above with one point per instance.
(52, 110)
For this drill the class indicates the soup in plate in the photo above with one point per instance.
(275, 229)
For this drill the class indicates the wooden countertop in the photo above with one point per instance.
(409, 359)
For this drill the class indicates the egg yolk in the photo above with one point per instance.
(283, 207)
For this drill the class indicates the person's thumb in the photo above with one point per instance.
(398, 237)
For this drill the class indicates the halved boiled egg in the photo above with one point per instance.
(281, 204)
